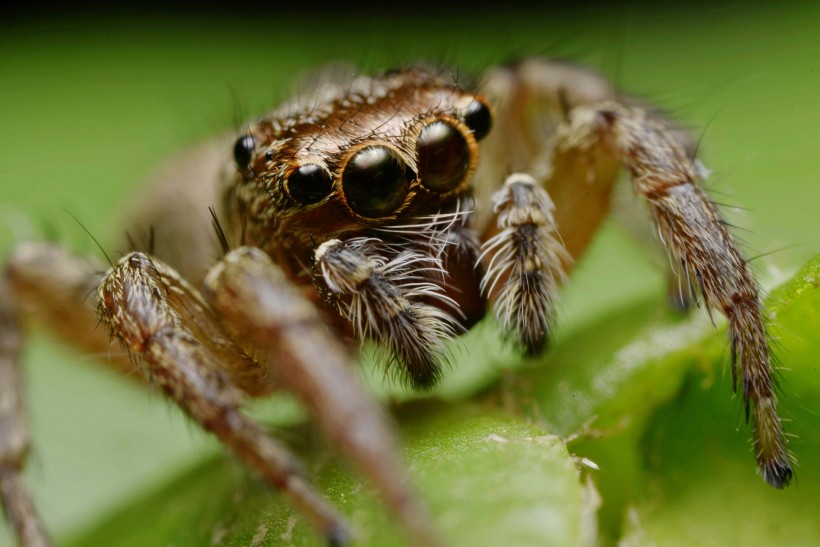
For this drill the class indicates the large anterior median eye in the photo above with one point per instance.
(375, 182)
(444, 157)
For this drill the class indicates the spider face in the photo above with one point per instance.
(362, 158)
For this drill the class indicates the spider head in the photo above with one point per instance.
(388, 148)
(375, 153)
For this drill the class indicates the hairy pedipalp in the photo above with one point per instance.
(394, 300)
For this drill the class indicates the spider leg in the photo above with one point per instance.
(271, 320)
(14, 434)
(45, 282)
(690, 226)
(139, 305)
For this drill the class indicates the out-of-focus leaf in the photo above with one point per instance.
(489, 479)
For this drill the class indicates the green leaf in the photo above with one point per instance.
(468, 461)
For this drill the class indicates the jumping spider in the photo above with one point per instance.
(361, 210)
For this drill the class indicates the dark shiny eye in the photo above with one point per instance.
(243, 151)
(375, 182)
(478, 118)
(444, 157)
(309, 184)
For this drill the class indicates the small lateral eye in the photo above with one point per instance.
(478, 118)
(375, 182)
(309, 184)
(444, 157)
(243, 151)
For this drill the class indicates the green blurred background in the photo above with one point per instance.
(89, 104)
